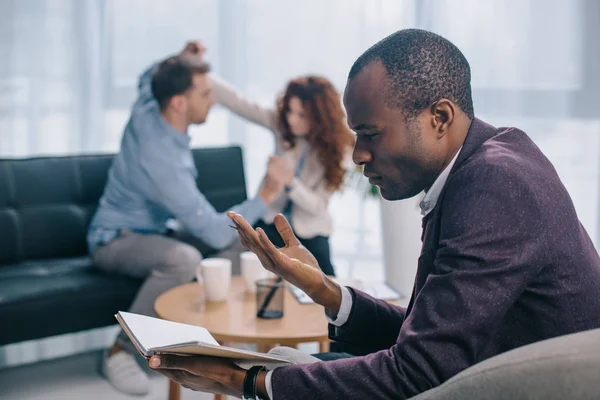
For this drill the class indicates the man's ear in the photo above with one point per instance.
(177, 102)
(443, 112)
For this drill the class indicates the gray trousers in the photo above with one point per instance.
(164, 262)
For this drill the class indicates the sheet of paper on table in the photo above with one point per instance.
(379, 290)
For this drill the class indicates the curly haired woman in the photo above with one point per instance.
(313, 146)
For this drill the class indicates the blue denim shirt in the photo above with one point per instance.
(153, 179)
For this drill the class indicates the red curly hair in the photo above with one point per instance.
(329, 135)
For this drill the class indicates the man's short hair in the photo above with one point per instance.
(173, 76)
(423, 68)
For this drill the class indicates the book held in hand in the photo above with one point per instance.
(156, 336)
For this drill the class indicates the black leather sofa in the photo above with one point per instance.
(48, 285)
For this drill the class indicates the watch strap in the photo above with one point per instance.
(250, 382)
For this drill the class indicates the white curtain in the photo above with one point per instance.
(535, 66)
(69, 67)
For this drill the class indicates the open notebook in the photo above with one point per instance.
(156, 336)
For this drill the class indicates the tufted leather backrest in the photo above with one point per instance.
(46, 203)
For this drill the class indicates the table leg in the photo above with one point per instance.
(264, 347)
(174, 391)
(323, 347)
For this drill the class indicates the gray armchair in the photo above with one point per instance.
(563, 368)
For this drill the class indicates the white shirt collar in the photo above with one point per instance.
(431, 197)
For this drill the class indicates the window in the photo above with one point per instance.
(534, 66)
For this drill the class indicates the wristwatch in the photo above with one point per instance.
(250, 383)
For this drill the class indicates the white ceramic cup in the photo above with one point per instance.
(252, 270)
(216, 276)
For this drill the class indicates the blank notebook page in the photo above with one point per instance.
(153, 332)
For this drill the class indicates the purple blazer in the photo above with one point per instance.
(505, 262)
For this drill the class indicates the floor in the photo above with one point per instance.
(66, 368)
(72, 378)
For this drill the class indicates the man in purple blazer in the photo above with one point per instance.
(505, 261)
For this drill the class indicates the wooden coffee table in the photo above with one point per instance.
(234, 321)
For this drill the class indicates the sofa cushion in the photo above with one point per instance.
(45, 181)
(221, 176)
(9, 236)
(50, 297)
(46, 205)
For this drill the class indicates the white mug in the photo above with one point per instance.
(252, 270)
(216, 275)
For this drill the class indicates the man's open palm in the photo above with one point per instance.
(293, 262)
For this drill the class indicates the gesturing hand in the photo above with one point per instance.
(193, 52)
(293, 262)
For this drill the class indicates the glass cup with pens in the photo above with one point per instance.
(269, 298)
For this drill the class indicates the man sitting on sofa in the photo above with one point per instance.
(152, 180)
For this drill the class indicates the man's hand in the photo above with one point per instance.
(276, 178)
(281, 169)
(293, 262)
(193, 52)
(270, 189)
(201, 373)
